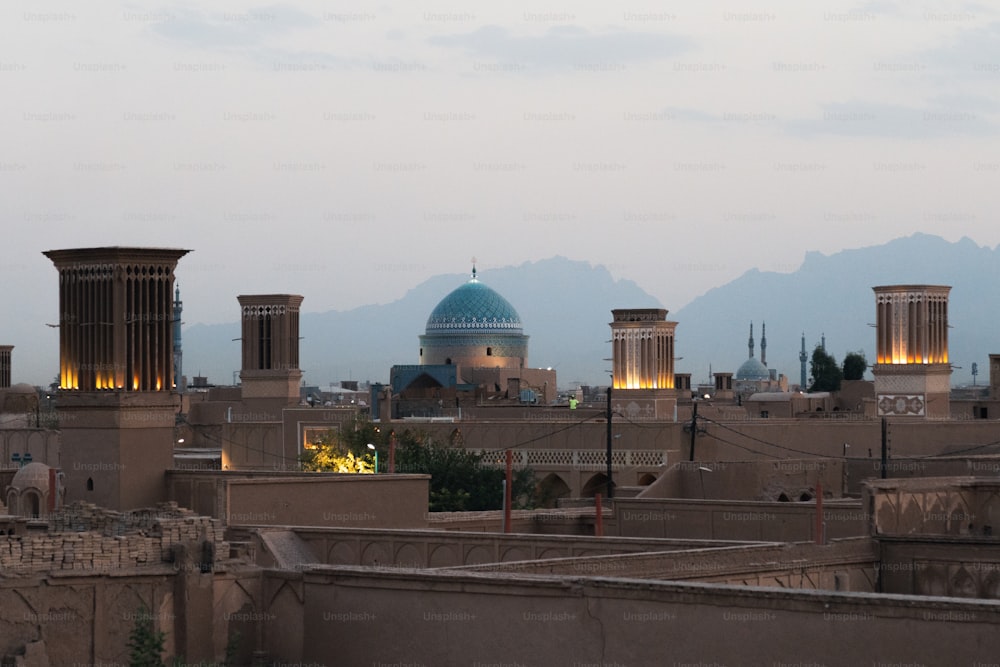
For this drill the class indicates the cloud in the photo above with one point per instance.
(229, 29)
(565, 46)
(944, 116)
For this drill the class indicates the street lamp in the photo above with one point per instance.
(372, 447)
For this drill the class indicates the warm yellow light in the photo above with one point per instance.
(135, 383)
(158, 384)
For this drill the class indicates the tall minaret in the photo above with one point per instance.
(803, 358)
(750, 342)
(178, 352)
(763, 343)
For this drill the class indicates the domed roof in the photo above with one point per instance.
(474, 307)
(34, 475)
(753, 369)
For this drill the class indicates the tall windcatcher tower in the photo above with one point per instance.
(5, 353)
(643, 358)
(912, 372)
(116, 372)
(270, 369)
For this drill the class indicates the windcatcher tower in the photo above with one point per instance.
(912, 372)
(643, 362)
(116, 375)
(5, 354)
(270, 371)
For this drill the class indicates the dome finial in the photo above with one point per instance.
(473, 268)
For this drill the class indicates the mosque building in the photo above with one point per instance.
(473, 347)
(753, 376)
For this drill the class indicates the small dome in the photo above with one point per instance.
(474, 307)
(34, 475)
(752, 369)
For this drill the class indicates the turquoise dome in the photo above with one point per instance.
(752, 369)
(474, 307)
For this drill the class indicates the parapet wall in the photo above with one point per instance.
(365, 616)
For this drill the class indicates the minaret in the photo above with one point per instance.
(763, 343)
(178, 352)
(822, 341)
(803, 358)
(750, 342)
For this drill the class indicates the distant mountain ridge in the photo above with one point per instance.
(832, 295)
(566, 305)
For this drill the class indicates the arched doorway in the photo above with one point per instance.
(596, 484)
(551, 489)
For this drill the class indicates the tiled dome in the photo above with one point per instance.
(474, 307)
(753, 369)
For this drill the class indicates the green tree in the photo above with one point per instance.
(855, 365)
(145, 644)
(460, 480)
(825, 371)
(331, 451)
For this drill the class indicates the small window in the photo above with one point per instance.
(489, 352)
(90, 483)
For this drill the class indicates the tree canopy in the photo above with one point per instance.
(826, 374)
(460, 480)
(855, 365)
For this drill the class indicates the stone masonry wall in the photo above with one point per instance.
(92, 539)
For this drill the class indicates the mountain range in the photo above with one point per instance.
(565, 306)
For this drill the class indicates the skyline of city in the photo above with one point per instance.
(348, 155)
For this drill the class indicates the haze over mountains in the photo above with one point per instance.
(566, 305)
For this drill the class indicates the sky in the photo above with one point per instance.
(348, 151)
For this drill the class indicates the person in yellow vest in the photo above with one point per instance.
(572, 403)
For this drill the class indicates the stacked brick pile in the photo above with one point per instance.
(92, 539)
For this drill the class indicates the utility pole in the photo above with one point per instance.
(885, 448)
(694, 427)
(611, 484)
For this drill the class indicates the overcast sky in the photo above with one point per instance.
(347, 151)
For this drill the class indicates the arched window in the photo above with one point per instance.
(90, 483)
(33, 504)
(489, 352)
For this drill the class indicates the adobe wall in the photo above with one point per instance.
(954, 567)
(843, 565)
(747, 438)
(73, 595)
(84, 539)
(78, 618)
(737, 520)
(937, 536)
(357, 616)
(303, 499)
(435, 548)
(793, 479)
